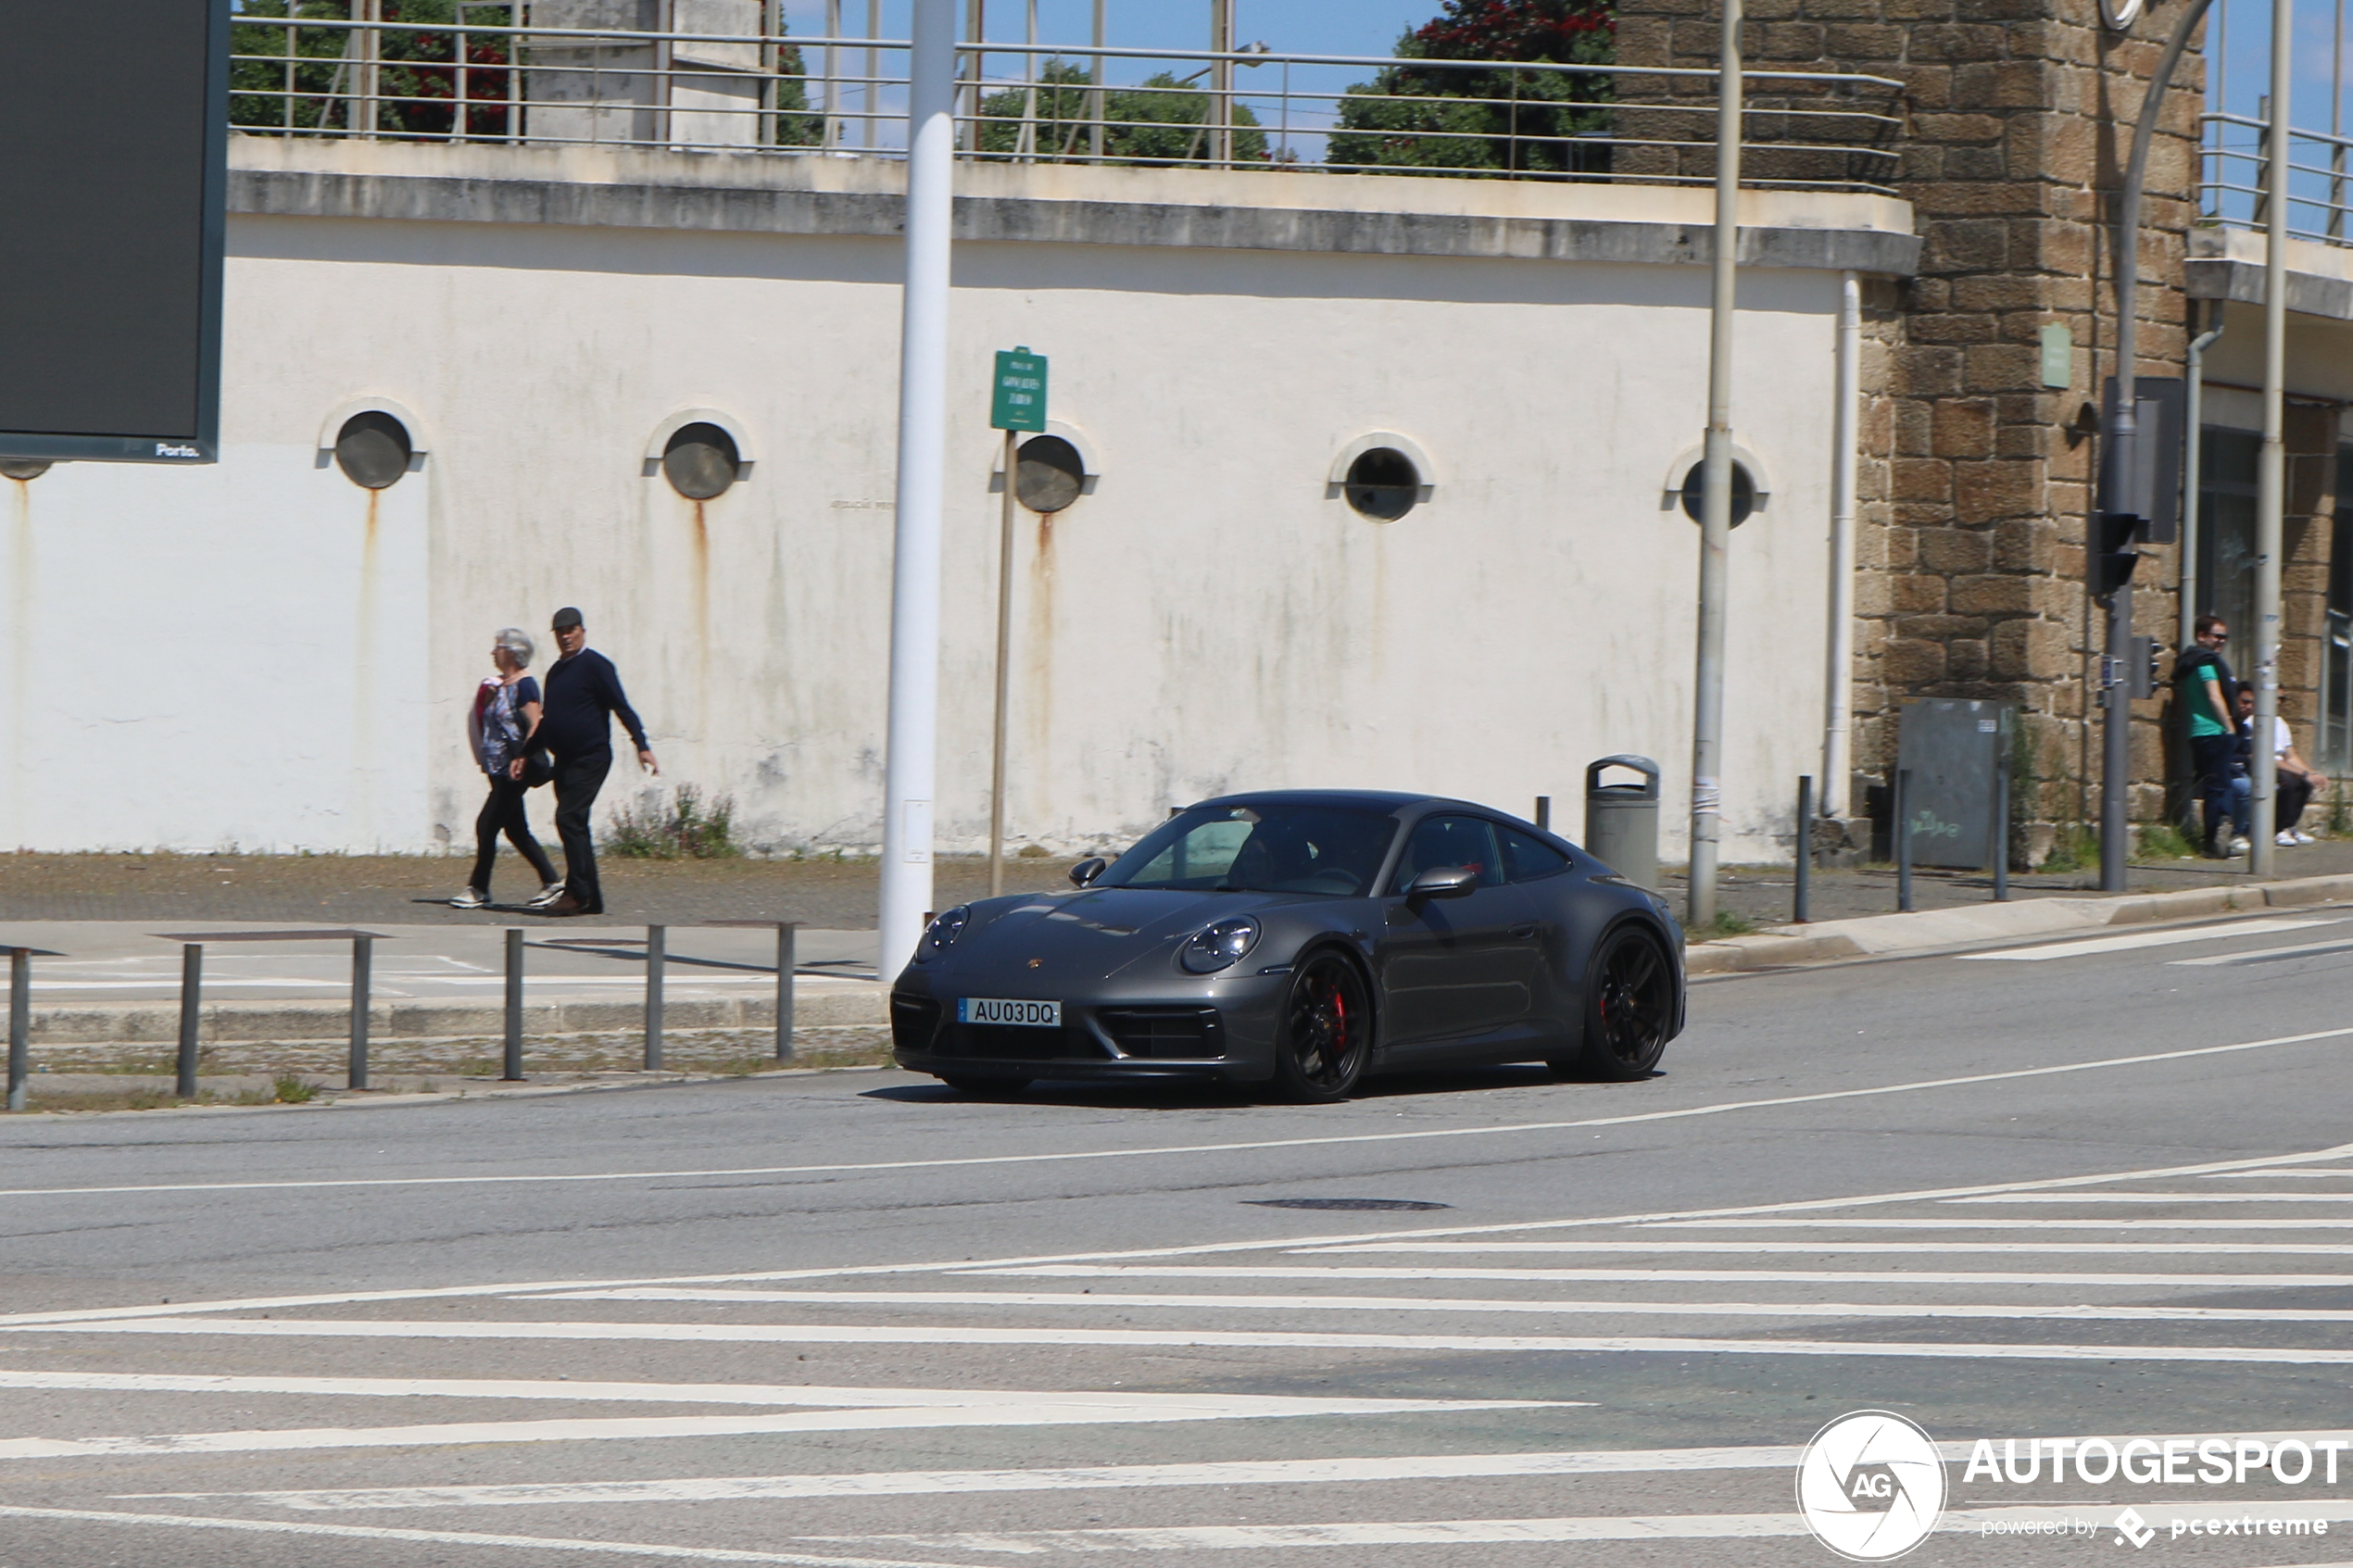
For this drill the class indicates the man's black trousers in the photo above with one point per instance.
(577, 781)
(2211, 755)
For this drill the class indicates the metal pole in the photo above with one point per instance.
(1800, 902)
(832, 134)
(654, 955)
(2193, 476)
(191, 1009)
(910, 769)
(1221, 84)
(787, 962)
(2001, 846)
(1004, 673)
(1544, 812)
(2271, 499)
(20, 1025)
(871, 98)
(363, 952)
(1716, 501)
(1838, 726)
(2337, 129)
(512, 1071)
(1904, 840)
(2119, 460)
(1095, 90)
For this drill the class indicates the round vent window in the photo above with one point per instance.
(22, 468)
(1383, 484)
(701, 461)
(1050, 473)
(372, 449)
(1743, 492)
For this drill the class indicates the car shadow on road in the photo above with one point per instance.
(1179, 1094)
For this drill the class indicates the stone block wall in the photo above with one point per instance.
(1978, 478)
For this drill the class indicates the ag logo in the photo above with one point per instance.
(1871, 1485)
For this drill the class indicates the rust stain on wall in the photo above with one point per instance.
(702, 618)
(21, 597)
(1037, 655)
(363, 677)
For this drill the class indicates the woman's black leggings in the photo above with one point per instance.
(503, 813)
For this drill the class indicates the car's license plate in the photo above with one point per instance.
(1028, 1015)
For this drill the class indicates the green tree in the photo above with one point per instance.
(1160, 119)
(1498, 120)
(307, 85)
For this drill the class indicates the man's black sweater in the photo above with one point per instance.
(578, 702)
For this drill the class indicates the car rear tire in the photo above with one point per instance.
(976, 1083)
(1326, 1031)
(1629, 1006)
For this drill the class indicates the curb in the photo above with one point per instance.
(1924, 929)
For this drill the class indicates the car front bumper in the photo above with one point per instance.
(1222, 1029)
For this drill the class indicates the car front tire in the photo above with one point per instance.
(1629, 1006)
(1326, 1032)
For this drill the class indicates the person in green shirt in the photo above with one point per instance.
(2207, 691)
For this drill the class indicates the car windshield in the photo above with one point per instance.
(1270, 849)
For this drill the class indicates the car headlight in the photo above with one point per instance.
(1220, 946)
(945, 928)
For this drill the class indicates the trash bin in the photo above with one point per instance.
(1621, 820)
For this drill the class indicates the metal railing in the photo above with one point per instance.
(2233, 169)
(517, 78)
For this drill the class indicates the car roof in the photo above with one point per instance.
(1391, 801)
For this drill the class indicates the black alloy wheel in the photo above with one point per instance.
(1326, 1031)
(1630, 1004)
(983, 1084)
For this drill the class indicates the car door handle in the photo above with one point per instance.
(1524, 930)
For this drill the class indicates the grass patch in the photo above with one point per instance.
(2164, 841)
(1726, 923)
(291, 1090)
(2074, 847)
(684, 827)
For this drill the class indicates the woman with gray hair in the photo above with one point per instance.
(505, 717)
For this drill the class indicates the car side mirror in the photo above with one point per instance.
(1443, 881)
(1088, 870)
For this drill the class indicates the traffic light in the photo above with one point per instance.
(2140, 669)
(2115, 552)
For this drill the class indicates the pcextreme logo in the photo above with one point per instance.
(1871, 1485)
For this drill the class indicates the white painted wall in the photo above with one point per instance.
(192, 659)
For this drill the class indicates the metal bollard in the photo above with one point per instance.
(787, 962)
(1798, 915)
(190, 1004)
(20, 1025)
(514, 1074)
(1544, 812)
(1903, 840)
(363, 951)
(654, 957)
(2002, 835)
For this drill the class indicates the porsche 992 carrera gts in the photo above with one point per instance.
(1296, 941)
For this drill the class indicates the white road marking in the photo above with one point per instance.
(2163, 1198)
(1214, 1473)
(2233, 1226)
(2129, 940)
(1334, 1140)
(2267, 955)
(2070, 1248)
(1681, 1277)
(1220, 1406)
(454, 1538)
(2270, 1174)
(1132, 1338)
(1122, 1301)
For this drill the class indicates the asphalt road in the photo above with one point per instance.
(2096, 1189)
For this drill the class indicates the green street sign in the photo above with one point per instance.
(1018, 400)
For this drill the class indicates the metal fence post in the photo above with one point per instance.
(363, 950)
(1903, 840)
(2002, 832)
(787, 962)
(1544, 812)
(514, 1074)
(191, 1003)
(654, 957)
(1799, 914)
(19, 1023)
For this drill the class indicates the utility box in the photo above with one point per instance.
(1954, 750)
(1621, 820)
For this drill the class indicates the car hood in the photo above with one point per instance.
(1091, 933)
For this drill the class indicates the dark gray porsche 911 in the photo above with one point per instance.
(1300, 939)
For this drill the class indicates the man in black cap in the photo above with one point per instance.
(581, 698)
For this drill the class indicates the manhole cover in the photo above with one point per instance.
(1341, 1203)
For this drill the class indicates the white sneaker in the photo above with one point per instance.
(469, 899)
(2285, 840)
(545, 896)
(2240, 846)
(2301, 837)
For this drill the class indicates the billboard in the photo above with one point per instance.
(113, 147)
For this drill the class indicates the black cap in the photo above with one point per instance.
(566, 619)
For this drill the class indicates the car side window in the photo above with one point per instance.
(1451, 841)
(1526, 858)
